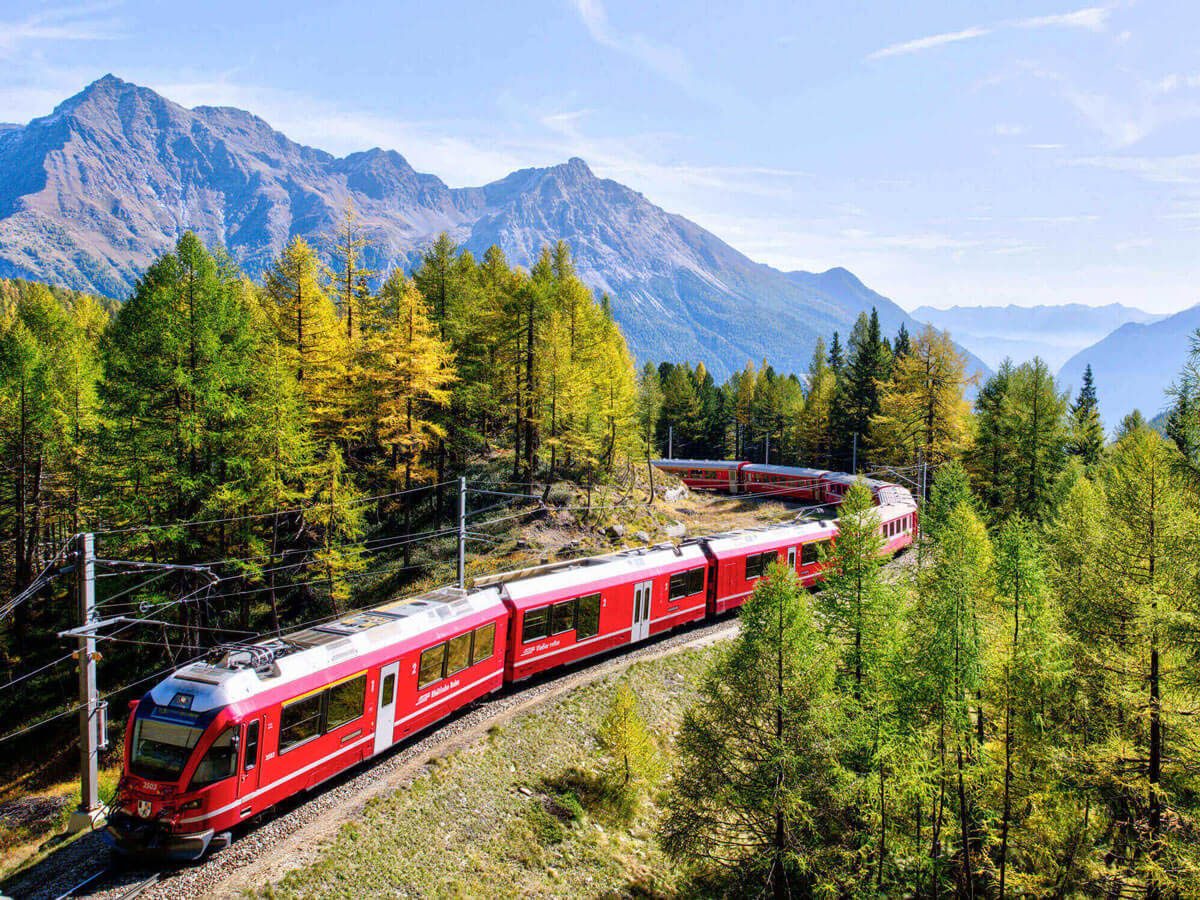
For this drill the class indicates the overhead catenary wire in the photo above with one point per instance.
(191, 523)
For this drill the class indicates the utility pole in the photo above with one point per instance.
(767, 450)
(90, 721)
(854, 456)
(462, 532)
(670, 442)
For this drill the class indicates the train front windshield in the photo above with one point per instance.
(161, 749)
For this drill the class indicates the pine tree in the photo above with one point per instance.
(178, 374)
(903, 343)
(860, 382)
(339, 518)
(1086, 431)
(837, 357)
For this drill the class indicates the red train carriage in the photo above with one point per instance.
(219, 741)
(742, 557)
(793, 482)
(569, 611)
(704, 474)
(898, 524)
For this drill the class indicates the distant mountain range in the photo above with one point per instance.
(1054, 333)
(1135, 365)
(92, 192)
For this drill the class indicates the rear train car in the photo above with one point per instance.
(704, 474)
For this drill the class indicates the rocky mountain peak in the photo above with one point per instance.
(90, 194)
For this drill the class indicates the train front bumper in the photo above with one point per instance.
(131, 836)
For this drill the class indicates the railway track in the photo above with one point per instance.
(95, 884)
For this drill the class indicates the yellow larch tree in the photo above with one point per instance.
(922, 408)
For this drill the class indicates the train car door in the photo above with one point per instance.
(792, 558)
(641, 611)
(248, 774)
(385, 710)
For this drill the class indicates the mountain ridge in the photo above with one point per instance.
(1135, 364)
(93, 191)
(1052, 331)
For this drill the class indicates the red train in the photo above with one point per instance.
(220, 741)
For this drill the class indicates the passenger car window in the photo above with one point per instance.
(458, 657)
(485, 643)
(299, 721)
(431, 665)
(562, 617)
(346, 702)
(220, 761)
(588, 622)
(536, 625)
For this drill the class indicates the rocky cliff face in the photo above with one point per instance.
(91, 193)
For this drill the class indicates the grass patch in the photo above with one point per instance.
(522, 813)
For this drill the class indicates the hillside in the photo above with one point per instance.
(1135, 364)
(1054, 333)
(90, 193)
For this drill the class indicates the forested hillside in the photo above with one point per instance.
(1013, 712)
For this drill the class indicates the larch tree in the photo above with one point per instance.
(922, 409)
(756, 793)
(815, 447)
(943, 678)
(1026, 673)
(307, 326)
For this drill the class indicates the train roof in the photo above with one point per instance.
(239, 671)
(532, 585)
(797, 471)
(723, 464)
(768, 535)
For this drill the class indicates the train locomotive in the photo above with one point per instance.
(223, 739)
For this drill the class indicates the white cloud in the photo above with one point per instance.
(928, 43)
(1006, 129)
(664, 59)
(1183, 169)
(79, 23)
(1092, 18)
(1044, 146)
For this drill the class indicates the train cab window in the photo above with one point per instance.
(485, 643)
(811, 552)
(251, 759)
(562, 617)
(588, 620)
(458, 654)
(536, 625)
(220, 760)
(432, 665)
(684, 584)
(388, 690)
(300, 721)
(346, 701)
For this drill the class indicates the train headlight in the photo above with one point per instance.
(191, 804)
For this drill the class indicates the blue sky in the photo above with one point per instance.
(969, 152)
